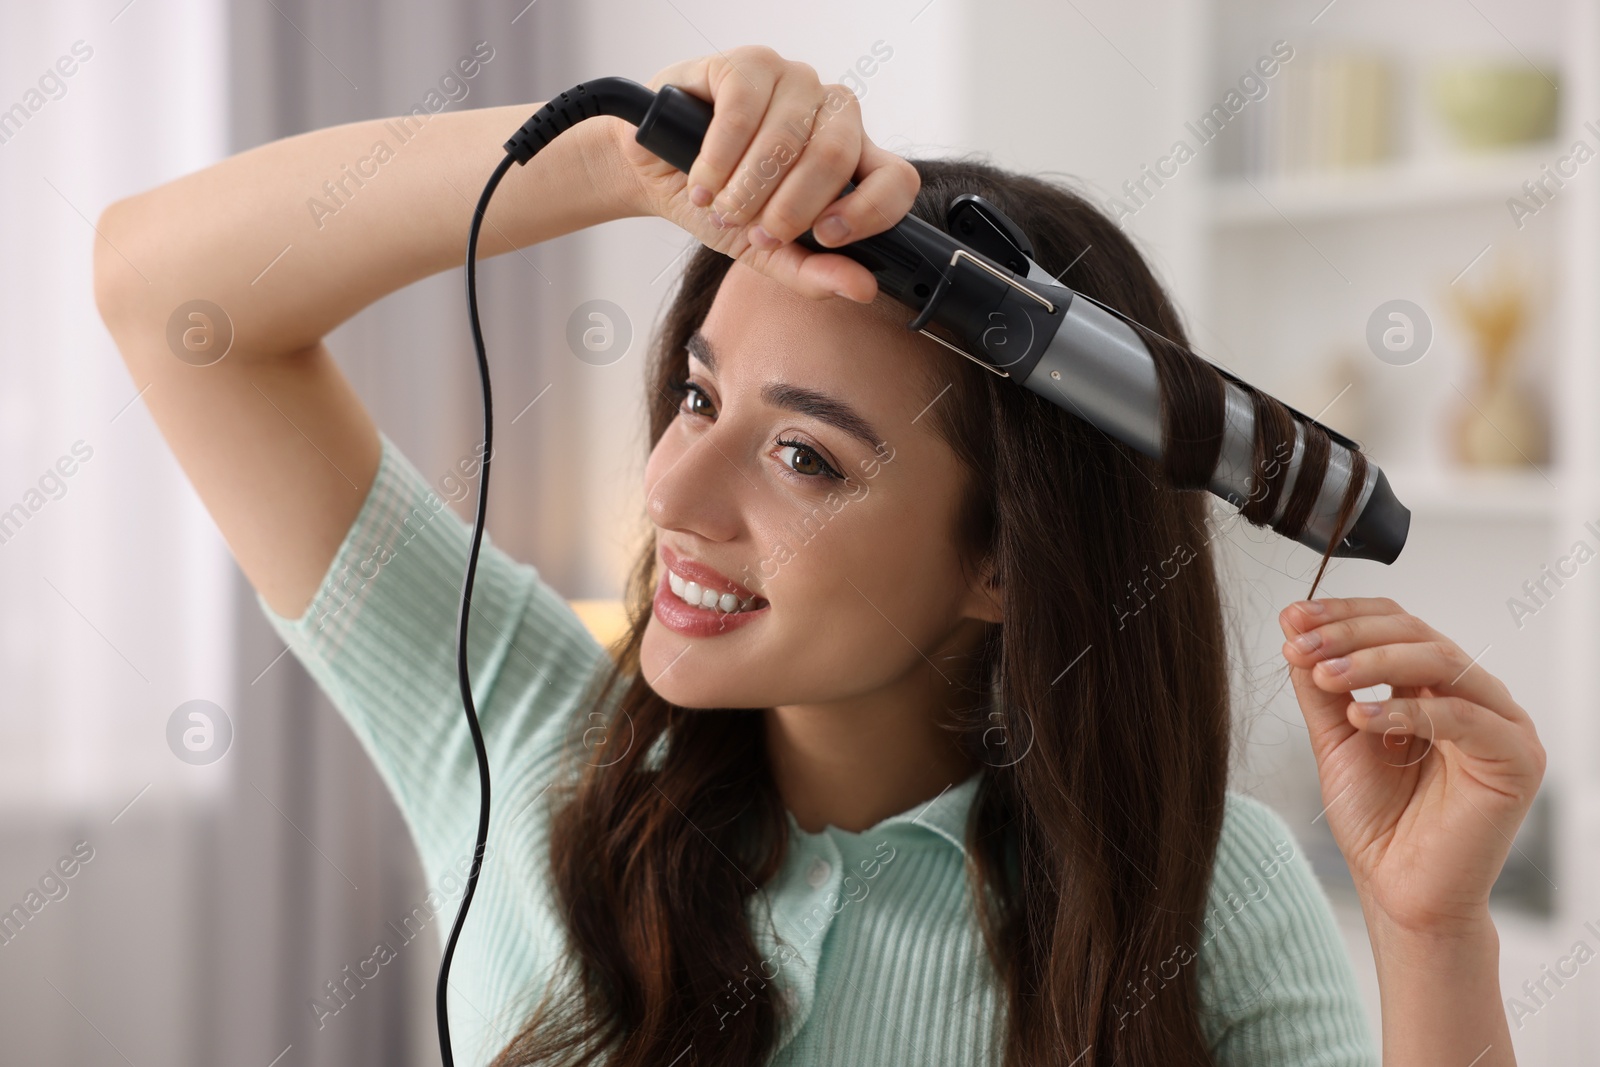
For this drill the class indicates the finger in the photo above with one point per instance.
(689, 74)
(1324, 712)
(826, 162)
(1305, 647)
(1308, 613)
(818, 275)
(792, 118)
(669, 75)
(1442, 666)
(886, 188)
(741, 93)
(1326, 721)
(1354, 622)
(1477, 731)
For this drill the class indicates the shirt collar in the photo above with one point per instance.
(944, 815)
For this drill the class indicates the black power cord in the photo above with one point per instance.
(466, 609)
(678, 129)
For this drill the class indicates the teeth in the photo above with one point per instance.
(701, 596)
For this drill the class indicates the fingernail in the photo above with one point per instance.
(1312, 607)
(1307, 641)
(1368, 707)
(1338, 666)
(832, 230)
(762, 239)
(842, 294)
(699, 196)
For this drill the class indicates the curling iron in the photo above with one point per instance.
(1014, 319)
(1005, 312)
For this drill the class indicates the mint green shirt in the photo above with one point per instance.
(869, 937)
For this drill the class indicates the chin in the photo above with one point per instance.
(665, 662)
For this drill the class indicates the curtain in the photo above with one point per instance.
(114, 602)
(311, 855)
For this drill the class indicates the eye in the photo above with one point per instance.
(807, 455)
(810, 461)
(688, 393)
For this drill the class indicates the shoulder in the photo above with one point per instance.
(1255, 846)
(380, 638)
(1260, 881)
(1274, 972)
(1261, 888)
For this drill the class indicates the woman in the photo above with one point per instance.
(906, 786)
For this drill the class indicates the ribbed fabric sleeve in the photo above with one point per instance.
(379, 638)
(870, 936)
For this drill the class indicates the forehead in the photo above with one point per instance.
(764, 331)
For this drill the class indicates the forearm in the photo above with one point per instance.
(1441, 996)
(344, 215)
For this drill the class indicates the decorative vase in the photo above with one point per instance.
(1502, 427)
(1498, 420)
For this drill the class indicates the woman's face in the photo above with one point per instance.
(803, 467)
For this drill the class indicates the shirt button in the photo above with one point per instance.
(818, 873)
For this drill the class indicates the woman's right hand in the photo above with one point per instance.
(780, 147)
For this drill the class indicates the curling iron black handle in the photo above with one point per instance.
(907, 259)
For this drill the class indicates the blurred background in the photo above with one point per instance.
(1386, 215)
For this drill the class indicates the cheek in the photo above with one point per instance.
(808, 550)
(864, 563)
(906, 567)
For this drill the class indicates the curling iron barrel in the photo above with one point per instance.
(1096, 366)
(999, 308)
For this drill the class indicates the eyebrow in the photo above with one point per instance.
(820, 406)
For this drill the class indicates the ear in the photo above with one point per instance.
(985, 599)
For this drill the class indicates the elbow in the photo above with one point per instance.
(119, 289)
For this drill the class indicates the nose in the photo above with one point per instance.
(692, 484)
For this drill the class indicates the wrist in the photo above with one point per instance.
(1469, 936)
(606, 169)
(1439, 990)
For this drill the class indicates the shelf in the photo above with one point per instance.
(1342, 195)
(1518, 492)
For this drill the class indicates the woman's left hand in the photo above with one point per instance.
(1425, 794)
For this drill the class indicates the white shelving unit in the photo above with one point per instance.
(1370, 192)
(1292, 267)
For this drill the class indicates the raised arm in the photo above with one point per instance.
(289, 240)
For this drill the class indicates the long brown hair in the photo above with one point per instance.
(1092, 855)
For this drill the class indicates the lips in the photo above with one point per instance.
(690, 620)
(708, 577)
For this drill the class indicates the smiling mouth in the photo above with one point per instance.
(708, 599)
